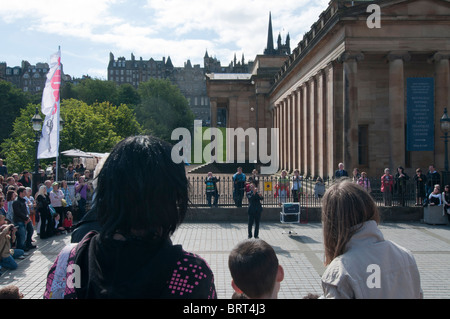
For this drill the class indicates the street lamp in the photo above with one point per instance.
(445, 128)
(36, 122)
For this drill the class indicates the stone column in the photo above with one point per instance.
(350, 107)
(312, 120)
(213, 105)
(321, 125)
(397, 140)
(330, 119)
(305, 131)
(442, 100)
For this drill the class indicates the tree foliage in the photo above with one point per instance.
(92, 128)
(12, 100)
(163, 108)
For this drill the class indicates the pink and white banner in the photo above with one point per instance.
(49, 142)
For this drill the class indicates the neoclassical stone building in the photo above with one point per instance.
(370, 97)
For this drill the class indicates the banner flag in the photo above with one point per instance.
(50, 107)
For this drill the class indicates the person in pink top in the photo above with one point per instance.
(387, 186)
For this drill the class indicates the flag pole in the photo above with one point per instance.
(58, 125)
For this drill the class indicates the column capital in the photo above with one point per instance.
(440, 55)
(350, 55)
(396, 55)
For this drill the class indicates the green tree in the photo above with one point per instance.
(12, 100)
(92, 128)
(127, 94)
(163, 108)
(96, 90)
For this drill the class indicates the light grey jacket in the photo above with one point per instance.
(372, 268)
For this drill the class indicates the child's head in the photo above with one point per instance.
(10, 292)
(255, 270)
(69, 215)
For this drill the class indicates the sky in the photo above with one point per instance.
(88, 30)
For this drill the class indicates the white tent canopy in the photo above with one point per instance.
(79, 153)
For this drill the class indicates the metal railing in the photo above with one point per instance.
(307, 195)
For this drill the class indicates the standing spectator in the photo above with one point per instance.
(238, 187)
(211, 189)
(69, 173)
(355, 248)
(46, 220)
(296, 186)
(433, 178)
(2, 208)
(356, 175)
(254, 210)
(400, 184)
(56, 197)
(319, 188)
(420, 181)
(21, 219)
(340, 172)
(254, 178)
(283, 188)
(387, 186)
(3, 169)
(255, 270)
(31, 205)
(136, 228)
(10, 184)
(10, 198)
(364, 182)
(67, 198)
(81, 188)
(25, 180)
(446, 201)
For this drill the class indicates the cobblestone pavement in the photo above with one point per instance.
(299, 248)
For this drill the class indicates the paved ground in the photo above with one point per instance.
(300, 253)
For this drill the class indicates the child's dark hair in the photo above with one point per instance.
(141, 188)
(253, 266)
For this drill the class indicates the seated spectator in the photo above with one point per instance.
(136, 225)
(357, 256)
(435, 198)
(255, 270)
(7, 255)
(68, 221)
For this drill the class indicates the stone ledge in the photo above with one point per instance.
(272, 214)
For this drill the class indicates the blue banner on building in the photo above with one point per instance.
(420, 114)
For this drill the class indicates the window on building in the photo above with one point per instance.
(363, 145)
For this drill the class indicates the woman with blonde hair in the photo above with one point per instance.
(360, 262)
(45, 217)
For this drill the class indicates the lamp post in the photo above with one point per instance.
(445, 128)
(36, 122)
(58, 164)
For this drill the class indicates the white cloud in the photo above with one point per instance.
(153, 28)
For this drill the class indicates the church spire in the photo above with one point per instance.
(270, 49)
